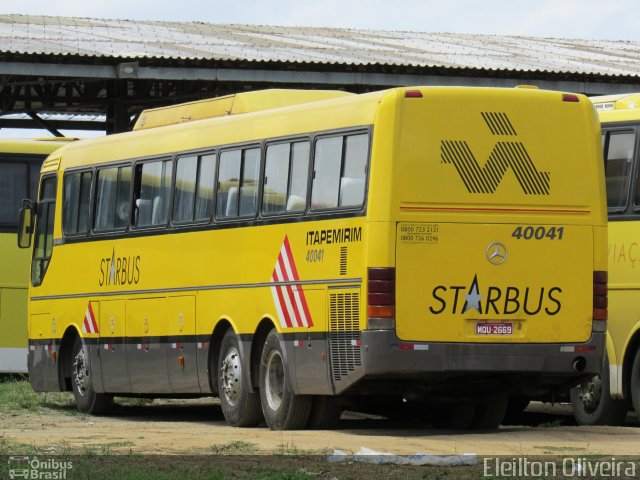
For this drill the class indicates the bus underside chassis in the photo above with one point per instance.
(486, 413)
(274, 401)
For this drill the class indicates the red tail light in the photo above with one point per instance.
(600, 302)
(413, 94)
(570, 97)
(381, 297)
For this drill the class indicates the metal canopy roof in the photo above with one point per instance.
(114, 69)
(129, 39)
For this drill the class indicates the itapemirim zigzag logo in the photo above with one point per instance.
(504, 156)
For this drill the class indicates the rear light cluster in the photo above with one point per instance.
(413, 94)
(570, 97)
(381, 298)
(600, 302)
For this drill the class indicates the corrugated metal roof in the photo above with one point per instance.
(134, 39)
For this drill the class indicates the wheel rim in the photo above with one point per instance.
(81, 372)
(590, 394)
(274, 380)
(231, 375)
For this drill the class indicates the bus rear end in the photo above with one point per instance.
(493, 281)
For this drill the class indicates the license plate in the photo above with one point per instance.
(494, 328)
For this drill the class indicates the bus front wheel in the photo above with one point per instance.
(281, 408)
(87, 399)
(592, 403)
(240, 406)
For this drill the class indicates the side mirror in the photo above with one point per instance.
(25, 225)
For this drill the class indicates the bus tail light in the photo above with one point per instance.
(570, 97)
(413, 94)
(600, 302)
(381, 298)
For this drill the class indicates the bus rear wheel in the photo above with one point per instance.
(281, 408)
(635, 384)
(240, 406)
(453, 416)
(87, 399)
(592, 403)
(325, 412)
(489, 413)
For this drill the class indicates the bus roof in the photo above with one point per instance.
(336, 111)
(234, 104)
(33, 145)
(617, 108)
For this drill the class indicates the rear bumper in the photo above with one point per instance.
(449, 369)
(384, 353)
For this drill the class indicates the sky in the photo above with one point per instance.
(587, 19)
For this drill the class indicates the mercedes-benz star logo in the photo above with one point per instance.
(496, 253)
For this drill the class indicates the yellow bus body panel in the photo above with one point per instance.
(453, 202)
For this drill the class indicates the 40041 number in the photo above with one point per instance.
(538, 233)
(315, 255)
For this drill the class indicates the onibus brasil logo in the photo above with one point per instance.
(36, 468)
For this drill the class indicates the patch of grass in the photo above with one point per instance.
(292, 449)
(551, 449)
(16, 395)
(133, 401)
(233, 448)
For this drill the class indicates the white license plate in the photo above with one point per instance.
(494, 328)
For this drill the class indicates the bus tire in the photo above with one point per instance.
(325, 412)
(489, 414)
(87, 399)
(592, 403)
(515, 409)
(634, 384)
(457, 416)
(240, 406)
(281, 408)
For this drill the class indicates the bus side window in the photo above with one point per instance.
(356, 149)
(13, 185)
(112, 198)
(152, 193)
(75, 207)
(340, 165)
(194, 188)
(619, 157)
(43, 242)
(238, 183)
(285, 181)
(326, 178)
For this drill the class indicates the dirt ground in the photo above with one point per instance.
(197, 427)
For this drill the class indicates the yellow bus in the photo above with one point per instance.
(606, 399)
(20, 162)
(291, 252)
